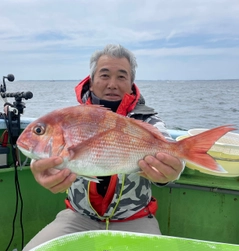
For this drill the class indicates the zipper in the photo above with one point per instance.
(107, 223)
(107, 219)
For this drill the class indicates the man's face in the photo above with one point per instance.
(112, 78)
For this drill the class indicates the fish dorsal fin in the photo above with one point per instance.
(91, 106)
(149, 128)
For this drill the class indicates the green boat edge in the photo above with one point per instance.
(197, 207)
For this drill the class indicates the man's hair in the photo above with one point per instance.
(116, 51)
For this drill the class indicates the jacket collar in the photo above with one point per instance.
(127, 104)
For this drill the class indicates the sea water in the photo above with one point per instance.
(181, 104)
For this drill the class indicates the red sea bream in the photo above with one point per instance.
(94, 141)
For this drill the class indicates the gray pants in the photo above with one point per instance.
(68, 221)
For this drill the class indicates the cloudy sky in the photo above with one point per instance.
(172, 39)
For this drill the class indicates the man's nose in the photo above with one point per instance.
(112, 83)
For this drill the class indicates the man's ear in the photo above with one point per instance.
(90, 88)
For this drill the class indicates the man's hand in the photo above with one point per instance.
(57, 181)
(162, 168)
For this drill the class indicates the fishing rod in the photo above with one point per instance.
(12, 116)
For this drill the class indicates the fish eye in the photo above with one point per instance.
(39, 129)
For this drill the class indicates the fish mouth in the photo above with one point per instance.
(29, 153)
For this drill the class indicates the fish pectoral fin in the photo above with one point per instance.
(140, 172)
(89, 178)
(77, 150)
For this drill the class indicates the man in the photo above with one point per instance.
(119, 202)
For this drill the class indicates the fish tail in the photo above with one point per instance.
(194, 149)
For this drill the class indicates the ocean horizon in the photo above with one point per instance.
(182, 104)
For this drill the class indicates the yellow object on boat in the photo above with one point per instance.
(225, 151)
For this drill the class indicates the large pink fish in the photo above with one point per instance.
(93, 141)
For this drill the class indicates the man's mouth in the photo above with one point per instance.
(112, 96)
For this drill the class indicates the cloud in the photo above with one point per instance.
(42, 32)
(188, 51)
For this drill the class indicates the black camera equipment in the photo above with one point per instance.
(12, 116)
(14, 110)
